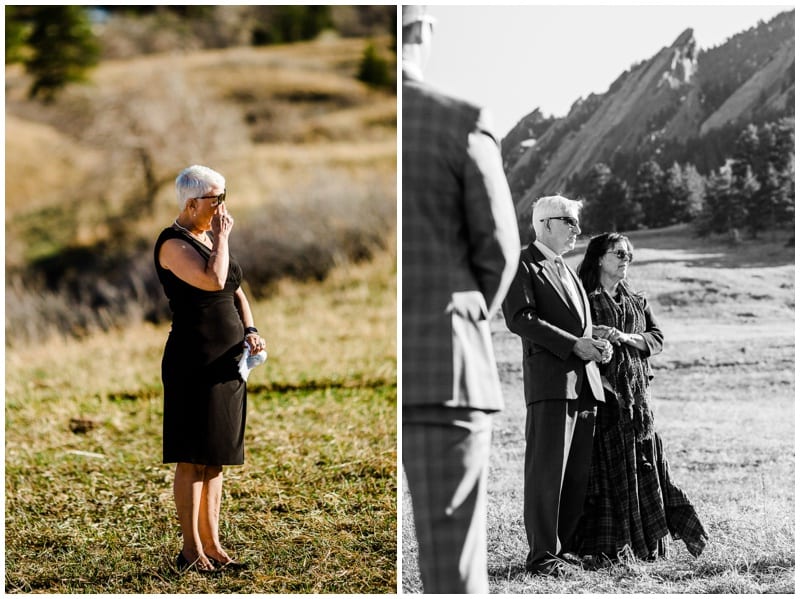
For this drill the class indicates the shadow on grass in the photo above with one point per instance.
(265, 389)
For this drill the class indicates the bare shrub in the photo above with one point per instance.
(71, 297)
(328, 222)
(325, 223)
(154, 139)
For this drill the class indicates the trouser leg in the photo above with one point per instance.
(576, 475)
(544, 452)
(446, 461)
(558, 447)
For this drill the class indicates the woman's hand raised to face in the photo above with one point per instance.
(221, 222)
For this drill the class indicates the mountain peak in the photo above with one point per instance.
(684, 60)
(654, 109)
(684, 39)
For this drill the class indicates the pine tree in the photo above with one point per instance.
(780, 177)
(716, 216)
(607, 206)
(677, 196)
(747, 209)
(648, 192)
(374, 69)
(64, 47)
(695, 185)
(17, 31)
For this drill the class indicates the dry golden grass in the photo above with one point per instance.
(342, 331)
(32, 186)
(322, 124)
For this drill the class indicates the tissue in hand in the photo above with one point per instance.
(250, 361)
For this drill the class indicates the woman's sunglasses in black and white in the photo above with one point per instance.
(622, 254)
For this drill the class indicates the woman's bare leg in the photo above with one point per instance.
(210, 502)
(188, 490)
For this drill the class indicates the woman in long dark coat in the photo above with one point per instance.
(205, 397)
(632, 504)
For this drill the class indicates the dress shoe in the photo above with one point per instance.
(571, 558)
(549, 567)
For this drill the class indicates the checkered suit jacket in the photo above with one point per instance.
(460, 245)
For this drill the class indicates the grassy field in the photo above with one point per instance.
(314, 506)
(724, 404)
(309, 154)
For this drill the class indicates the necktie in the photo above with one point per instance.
(569, 285)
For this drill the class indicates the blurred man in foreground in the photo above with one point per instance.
(460, 250)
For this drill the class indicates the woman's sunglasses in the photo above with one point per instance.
(218, 199)
(622, 254)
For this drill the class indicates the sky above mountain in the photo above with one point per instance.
(513, 59)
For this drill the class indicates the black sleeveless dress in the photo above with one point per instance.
(205, 398)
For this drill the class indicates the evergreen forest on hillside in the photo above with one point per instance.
(752, 191)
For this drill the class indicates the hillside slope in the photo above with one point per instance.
(308, 151)
(268, 118)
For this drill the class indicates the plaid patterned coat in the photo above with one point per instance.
(460, 245)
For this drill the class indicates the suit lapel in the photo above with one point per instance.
(549, 272)
(584, 300)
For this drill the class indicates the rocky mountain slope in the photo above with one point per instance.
(676, 97)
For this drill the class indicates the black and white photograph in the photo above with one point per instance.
(597, 284)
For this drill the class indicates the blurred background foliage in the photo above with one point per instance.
(57, 44)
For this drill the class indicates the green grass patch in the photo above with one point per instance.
(89, 506)
(313, 508)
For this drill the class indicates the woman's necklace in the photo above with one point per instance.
(181, 227)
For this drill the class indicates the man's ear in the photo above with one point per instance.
(413, 33)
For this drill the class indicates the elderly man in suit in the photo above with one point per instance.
(460, 244)
(548, 308)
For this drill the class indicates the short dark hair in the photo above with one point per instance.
(589, 268)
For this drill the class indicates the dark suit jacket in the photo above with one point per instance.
(538, 309)
(459, 248)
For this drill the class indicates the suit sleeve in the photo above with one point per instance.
(652, 335)
(491, 219)
(522, 317)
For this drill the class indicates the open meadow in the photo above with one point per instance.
(724, 404)
(89, 505)
(309, 155)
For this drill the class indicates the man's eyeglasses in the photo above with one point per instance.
(572, 222)
(218, 199)
(622, 254)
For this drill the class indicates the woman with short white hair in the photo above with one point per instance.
(205, 397)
